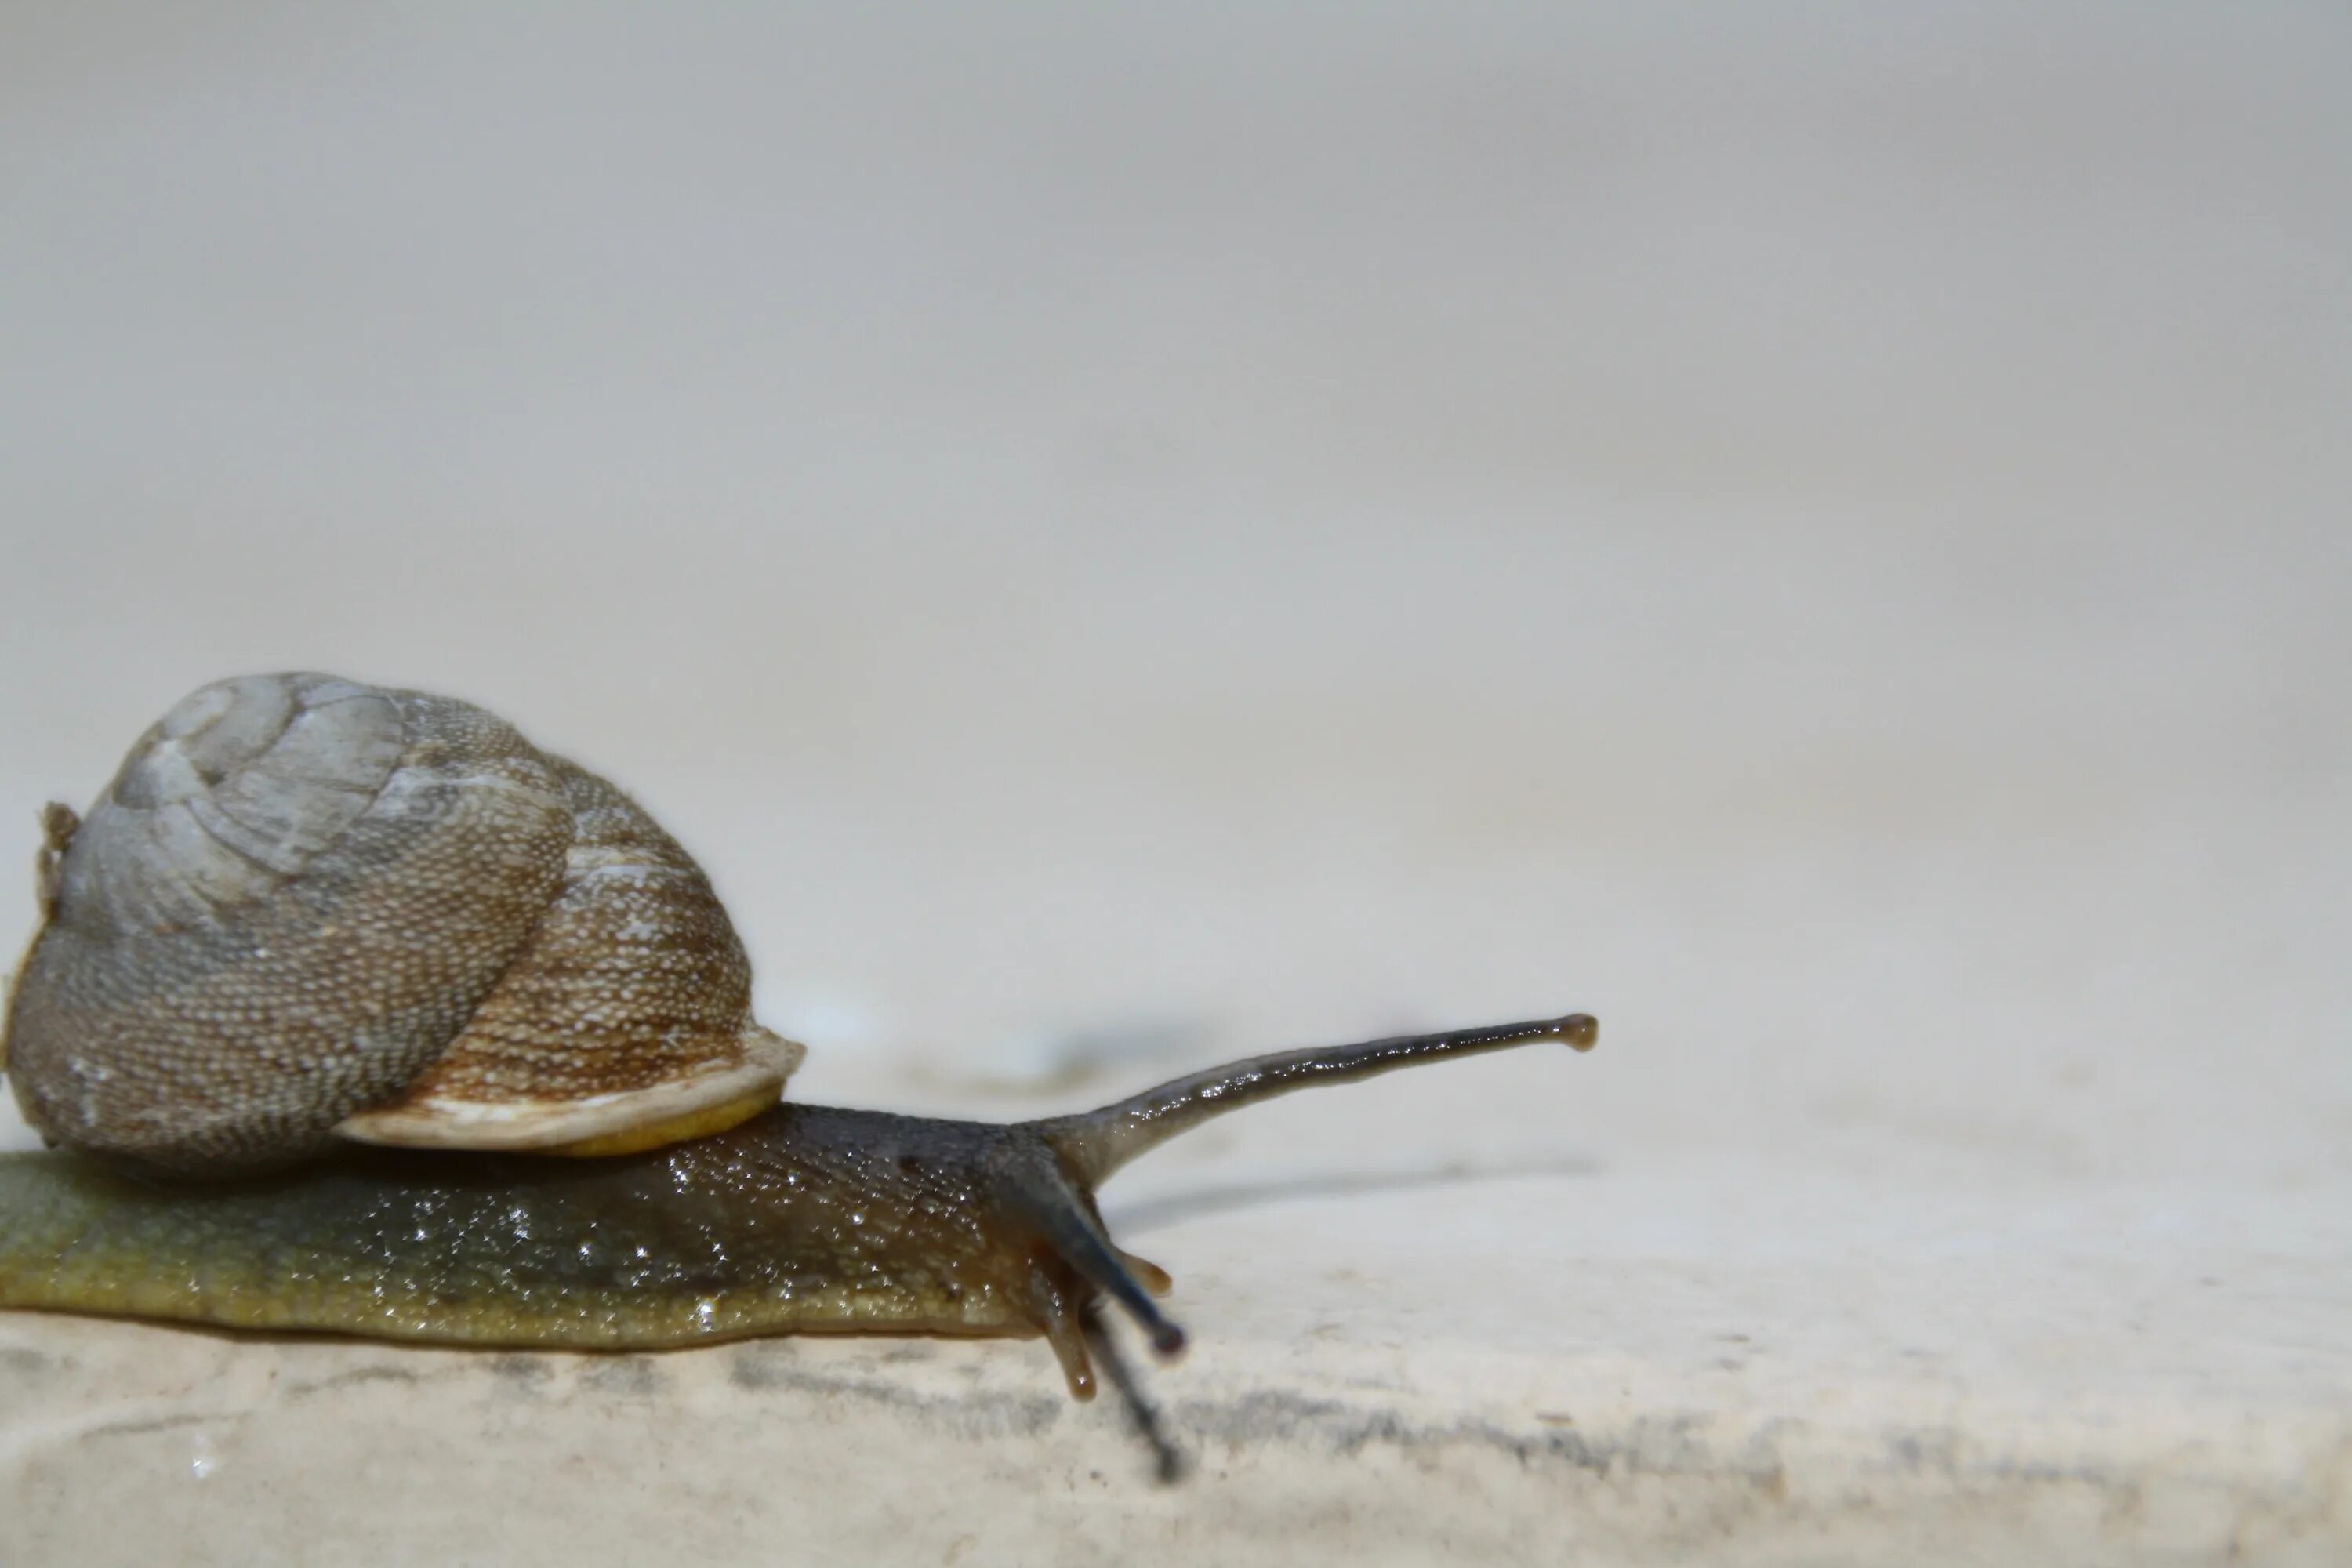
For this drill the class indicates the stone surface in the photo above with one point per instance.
(1561, 1365)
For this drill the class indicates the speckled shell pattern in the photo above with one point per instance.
(307, 906)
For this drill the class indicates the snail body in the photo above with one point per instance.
(330, 973)
(805, 1218)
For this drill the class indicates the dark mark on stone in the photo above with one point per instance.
(355, 1376)
(30, 1364)
(759, 1366)
(624, 1377)
(141, 1428)
(975, 1416)
(1657, 1445)
(523, 1371)
(1935, 1451)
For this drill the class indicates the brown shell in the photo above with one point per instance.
(306, 907)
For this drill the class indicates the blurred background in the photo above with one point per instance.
(1817, 533)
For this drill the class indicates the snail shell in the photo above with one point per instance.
(308, 908)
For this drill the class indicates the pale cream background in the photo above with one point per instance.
(1817, 533)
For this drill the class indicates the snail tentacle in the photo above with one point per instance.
(1094, 1144)
(1064, 1214)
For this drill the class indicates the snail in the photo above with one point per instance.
(351, 1011)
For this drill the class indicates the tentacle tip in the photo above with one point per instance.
(1580, 1031)
(1167, 1340)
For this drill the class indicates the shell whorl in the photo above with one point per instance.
(306, 906)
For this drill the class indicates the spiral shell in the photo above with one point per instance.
(307, 908)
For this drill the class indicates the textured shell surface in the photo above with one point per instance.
(630, 1008)
(303, 901)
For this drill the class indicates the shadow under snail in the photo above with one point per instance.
(332, 980)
